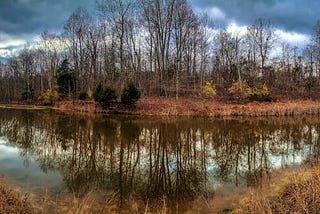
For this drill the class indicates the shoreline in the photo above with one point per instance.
(186, 107)
(239, 202)
(216, 109)
(300, 184)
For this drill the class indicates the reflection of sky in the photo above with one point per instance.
(14, 167)
(280, 152)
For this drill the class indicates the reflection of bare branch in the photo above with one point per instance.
(148, 160)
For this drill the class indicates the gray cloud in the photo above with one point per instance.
(22, 20)
(290, 15)
(34, 16)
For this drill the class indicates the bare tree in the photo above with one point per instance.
(118, 14)
(262, 37)
(159, 19)
(48, 50)
(230, 54)
(75, 30)
(316, 44)
(183, 23)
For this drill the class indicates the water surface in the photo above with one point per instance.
(149, 158)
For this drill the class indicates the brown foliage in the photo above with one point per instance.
(12, 201)
(198, 107)
(158, 106)
(299, 195)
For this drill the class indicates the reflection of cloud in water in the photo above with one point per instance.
(25, 172)
(149, 159)
(6, 148)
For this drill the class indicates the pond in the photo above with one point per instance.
(149, 158)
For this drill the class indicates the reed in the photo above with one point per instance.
(12, 201)
(299, 194)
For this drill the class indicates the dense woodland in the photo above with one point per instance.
(166, 49)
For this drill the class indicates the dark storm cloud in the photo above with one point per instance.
(33, 16)
(22, 21)
(290, 15)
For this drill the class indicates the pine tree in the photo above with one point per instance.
(65, 79)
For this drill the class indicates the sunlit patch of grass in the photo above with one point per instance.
(26, 107)
(12, 201)
(298, 193)
(213, 108)
(290, 191)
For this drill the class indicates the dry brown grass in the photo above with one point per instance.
(291, 191)
(80, 106)
(194, 107)
(12, 201)
(299, 193)
(199, 107)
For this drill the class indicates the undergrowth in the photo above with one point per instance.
(300, 194)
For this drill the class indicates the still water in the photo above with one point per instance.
(149, 158)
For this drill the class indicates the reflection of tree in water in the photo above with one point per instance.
(174, 162)
(148, 160)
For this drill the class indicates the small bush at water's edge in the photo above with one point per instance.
(130, 95)
(49, 97)
(82, 95)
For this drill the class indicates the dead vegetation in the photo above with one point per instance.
(298, 193)
(158, 106)
(12, 201)
(197, 107)
(291, 191)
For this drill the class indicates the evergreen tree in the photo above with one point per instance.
(130, 95)
(65, 79)
(28, 93)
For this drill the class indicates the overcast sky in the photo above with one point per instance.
(21, 21)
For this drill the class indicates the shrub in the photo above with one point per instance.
(106, 96)
(130, 95)
(209, 90)
(97, 93)
(90, 94)
(239, 91)
(49, 97)
(259, 93)
(243, 91)
(82, 95)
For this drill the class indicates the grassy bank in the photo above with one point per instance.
(199, 107)
(187, 107)
(293, 192)
(12, 200)
(289, 191)
(191, 107)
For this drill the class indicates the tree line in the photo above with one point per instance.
(164, 48)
